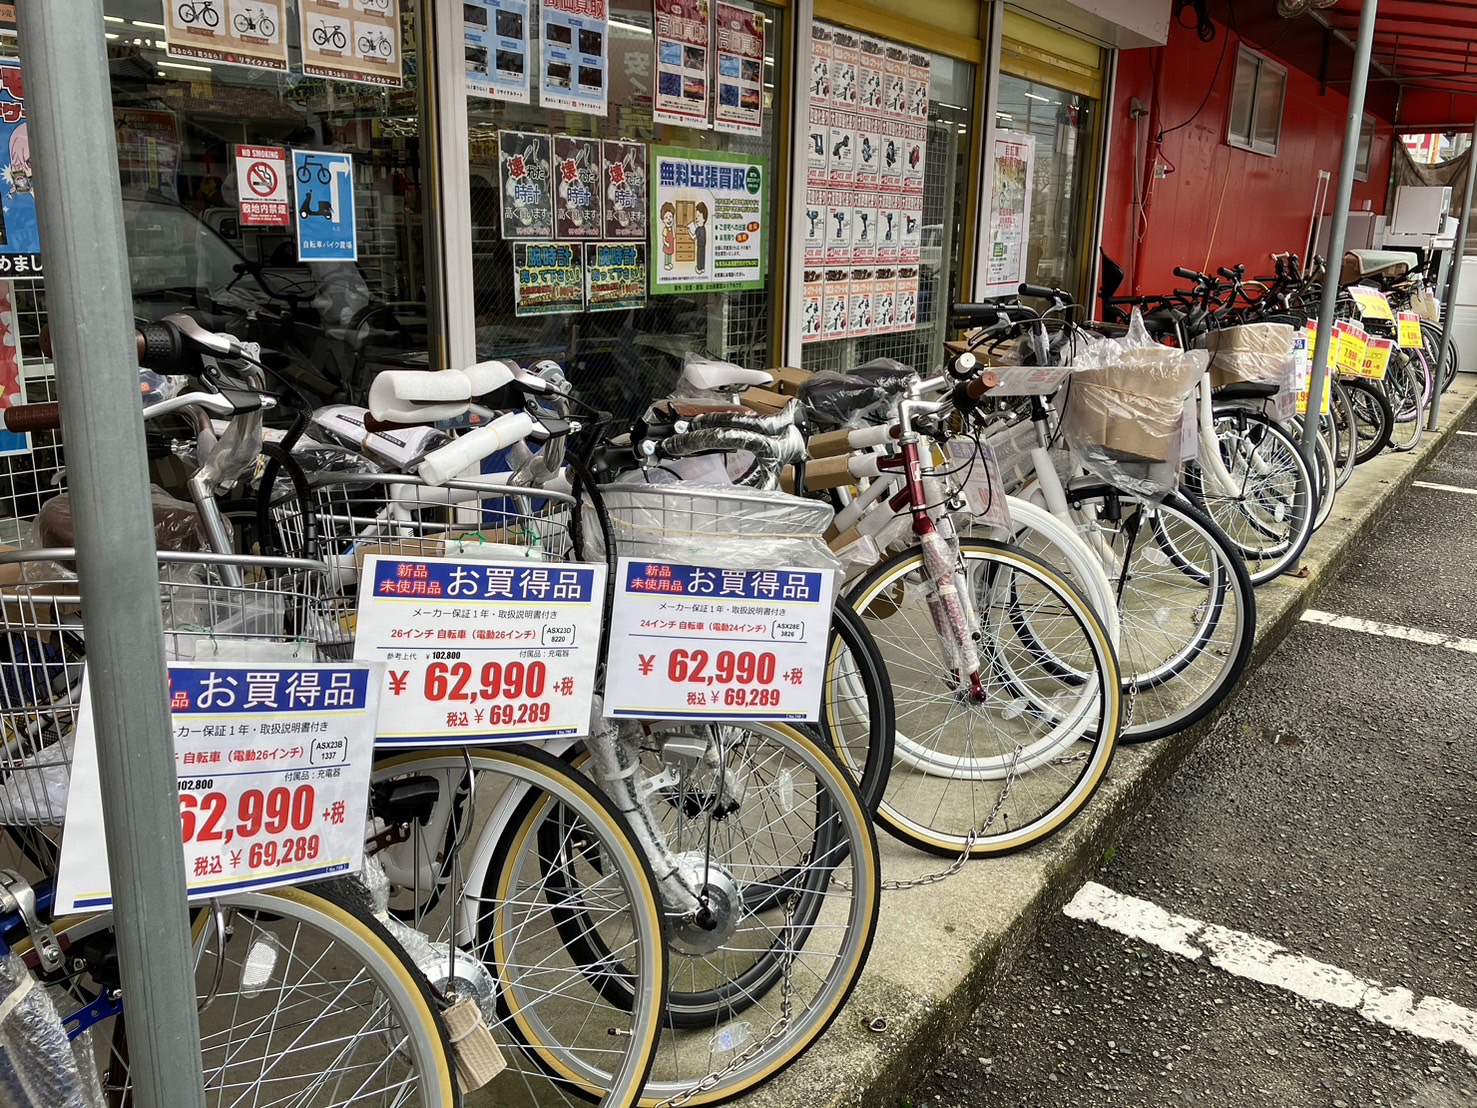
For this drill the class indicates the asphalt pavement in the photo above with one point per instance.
(1320, 842)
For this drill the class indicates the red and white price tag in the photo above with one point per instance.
(701, 642)
(476, 651)
(273, 763)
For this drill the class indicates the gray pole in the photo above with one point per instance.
(1453, 275)
(1338, 230)
(70, 119)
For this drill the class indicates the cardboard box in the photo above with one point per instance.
(1132, 409)
(1255, 352)
(787, 380)
(763, 401)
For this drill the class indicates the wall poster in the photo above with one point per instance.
(577, 192)
(576, 38)
(548, 278)
(496, 49)
(12, 378)
(231, 32)
(20, 237)
(708, 221)
(148, 151)
(261, 185)
(623, 171)
(682, 41)
(739, 44)
(350, 40)
(525, 175)
(615, 276)
(1010, 212)
(326, 224)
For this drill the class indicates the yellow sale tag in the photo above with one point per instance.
(1327, 394)
(1373, 304)
(1377, 359)
(1408, 327)
(1350, 342)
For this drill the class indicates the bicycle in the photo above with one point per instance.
(305, 172)
(190, 12)
(325, 35)
(255, 22)
(376, 46)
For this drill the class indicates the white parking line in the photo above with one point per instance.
(1469, 434)
(1444, 488)
(1267, 963)
(1390, 631)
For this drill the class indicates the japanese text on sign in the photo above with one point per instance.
(480, 650)
(273, 764)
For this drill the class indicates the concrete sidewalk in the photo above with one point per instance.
(939, 948)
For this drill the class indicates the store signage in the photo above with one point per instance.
(739, 52)
(615, 276)
(578, 197)
(496, 48)
(20, 238)
(261, 186)
(709, 216)
(576, 37)
(475, 651)
(351, 40)
(548, 278)
(524, 161)
(682, 41)
(705, 642)
(273, 764)
(324, 188)
(249, 33)
(623, 171)
(1010, 212)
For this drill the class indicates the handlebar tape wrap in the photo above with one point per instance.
(413, 396)
(440, 466)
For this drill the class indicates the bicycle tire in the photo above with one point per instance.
(953, 803)
(1406, 382)
(1431, 339)
(1341, 415)
(1373, 417)
(858, 712)
(565, 1041)
(1185, 578)
(376, 982)
(210, 17)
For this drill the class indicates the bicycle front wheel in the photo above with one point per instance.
(997, 773)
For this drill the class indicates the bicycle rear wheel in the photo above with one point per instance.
(1407, 385)
(1374, 419)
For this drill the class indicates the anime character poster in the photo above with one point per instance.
(20, 238)
(739, 50)
(12, 386)
(576, 43)
(708, 219)
(526, 178)
(578, 210)
(683, 40)
(623, 174)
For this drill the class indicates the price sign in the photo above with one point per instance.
(700, 642)
(1302, 353)
(1408, 330)
(1029, 380)
(1350, 342)
(1373, 304)
(477, 651)
(273, 764)
(1376, 358)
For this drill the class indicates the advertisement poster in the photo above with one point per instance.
(708, 215)
(252, 33)
(615, 276)
(814, 215)
(919, 73)
(548, 278)
(868, 155)
(350, 40)
(894, 155)
(859, 302)
(845, 62)
(870, 52)
(526, 175)
(834, 305)
(273, 764)
(683, 38)
(475, 651)
(740, 49)
(12, 380)
(819, 110)
(20, 239)
(325, 206)
(699, 641)
(261, 181)
(1010, 212)
(623, 170)
(895, 74)
(496, 49)
(812, 297)
(577, 192)
(915, 140)
(148, 151)
(576, 38)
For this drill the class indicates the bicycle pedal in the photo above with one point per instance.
(478, 1059)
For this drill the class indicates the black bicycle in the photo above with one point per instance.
(376, 46)
(199, 11)
(257, 23)
(323, 35)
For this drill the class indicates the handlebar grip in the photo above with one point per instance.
(1188, 274)
(981, 385)
(441, 465)
(160, 347)
(34, 417)
(1041, 292)
(1228, 274)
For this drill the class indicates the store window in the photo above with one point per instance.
(1255, 121)
(624, 340)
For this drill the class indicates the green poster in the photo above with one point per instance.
(615, 276)
(548, 277)
(708, 221)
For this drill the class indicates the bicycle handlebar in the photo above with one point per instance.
(1191, 275)
(34, 417)
(1041, 292)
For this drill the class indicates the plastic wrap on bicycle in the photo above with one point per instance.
(842, 398)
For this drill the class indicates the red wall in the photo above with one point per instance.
(1220, 205)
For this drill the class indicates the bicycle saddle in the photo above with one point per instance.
(1245, 390)
(712, 376)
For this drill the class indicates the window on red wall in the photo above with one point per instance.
(1255, 121)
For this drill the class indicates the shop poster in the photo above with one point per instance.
(870, 52)
(682, 41)
(20, 238)
(148, 151)
(623, 171)
(548, 278)
(526, 176)
(350, 40)
(577, 193)
(708, 221)
(12, 380)
(250, 33)
(739, 47)
(261, 185)
(576, 38)
(496, 49)
(819, 112)
(615, 276)
(326, 224)
(1010, 212)
(844, 67)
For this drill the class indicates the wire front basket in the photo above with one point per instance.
(275, 614)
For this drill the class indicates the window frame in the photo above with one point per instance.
(1364, 151)
(1249, 141)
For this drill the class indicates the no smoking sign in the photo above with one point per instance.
(261, 175)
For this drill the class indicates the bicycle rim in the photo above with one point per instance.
(1406, 379)
(858, 716)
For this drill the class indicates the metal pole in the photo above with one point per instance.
(70, 120)
(1338, 230)
(1453, 276)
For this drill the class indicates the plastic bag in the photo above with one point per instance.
(37, 1064)
(1124, 412)
(1255, 352)
(841, 398)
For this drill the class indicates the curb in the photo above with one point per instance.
(940, 949)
